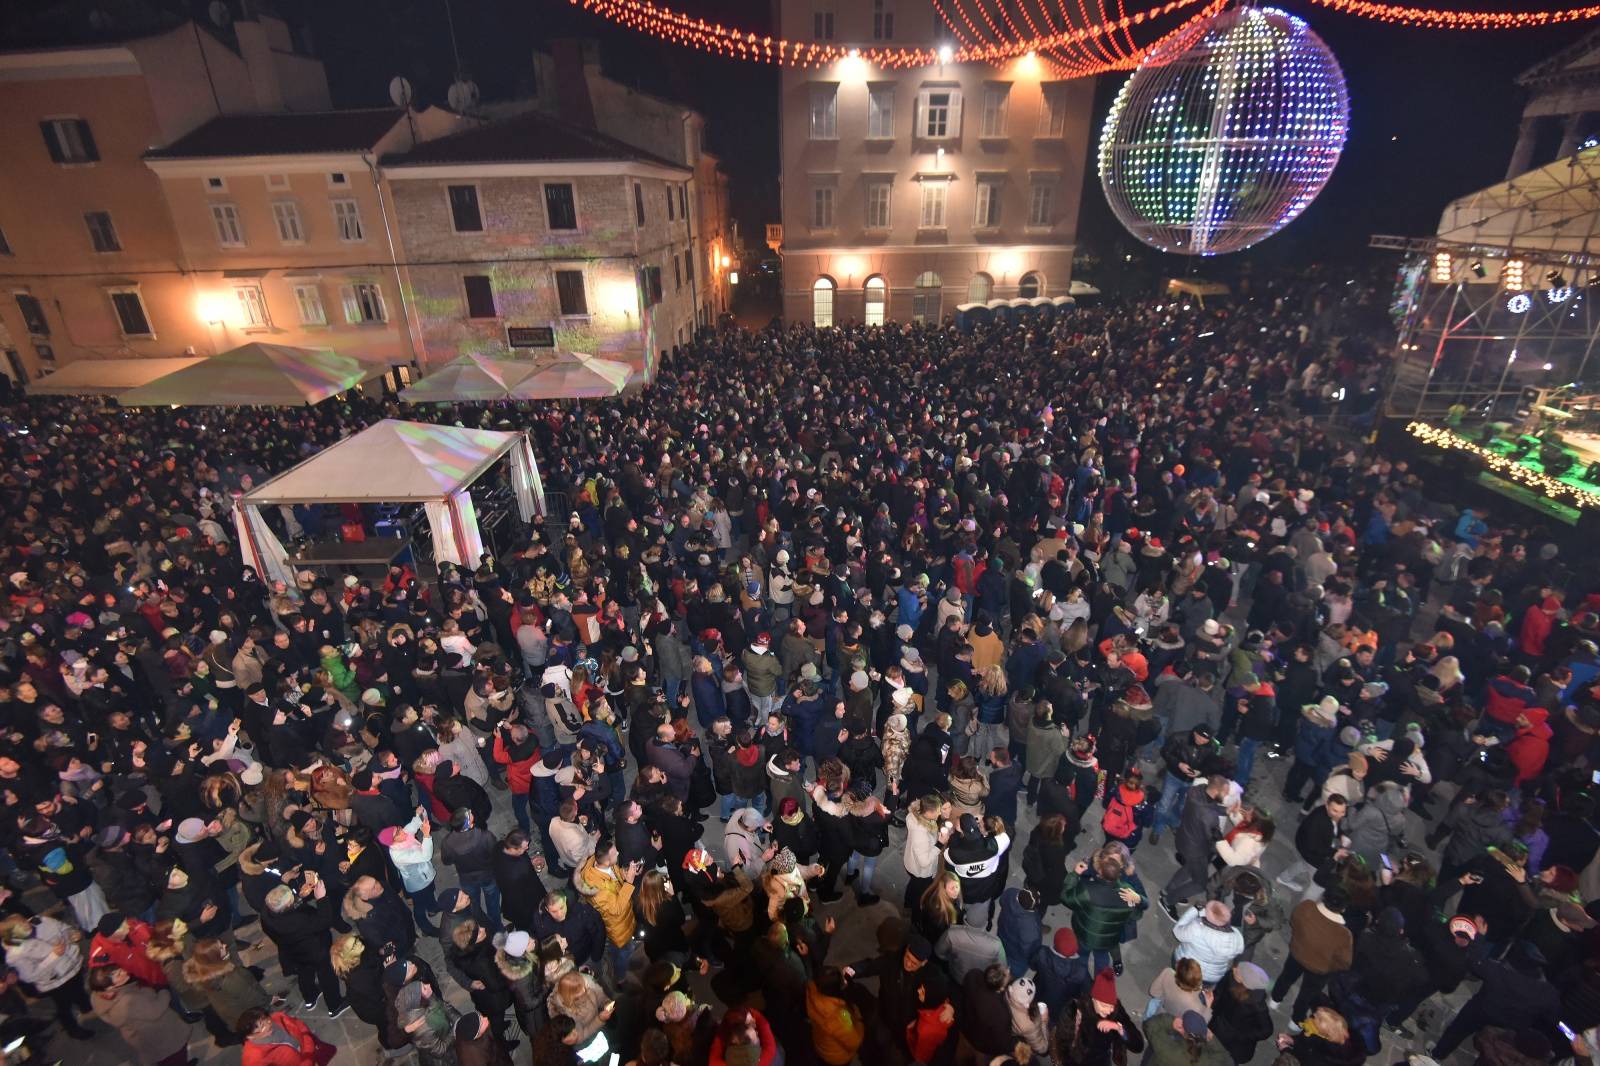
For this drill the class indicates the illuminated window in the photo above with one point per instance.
(926, 300)
(880, 111)
(308, 299)
(824, 112)
(1441, 272)
(1512, 275)
(1030, 286)
(252, 307)
(877, 298)
(980, 288)
(934, 195)
(939, 114)
(230, 233)
(363, 303)
(822, 303)
(1042, 203)
(995, 102)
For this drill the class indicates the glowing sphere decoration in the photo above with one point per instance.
(1224, 134)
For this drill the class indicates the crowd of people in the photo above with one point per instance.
(1004, 617)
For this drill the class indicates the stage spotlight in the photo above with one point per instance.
(1592, 473)
(1555, 460)
(1556, 280)
(1477, 268)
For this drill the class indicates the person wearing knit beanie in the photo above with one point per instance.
(1104, 989)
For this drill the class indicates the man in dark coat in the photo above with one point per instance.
(455, 790)
(579, 926)
(1514, 995)
(1196, 839)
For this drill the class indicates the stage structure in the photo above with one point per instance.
(1498, 321)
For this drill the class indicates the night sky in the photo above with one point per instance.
(1433, 113)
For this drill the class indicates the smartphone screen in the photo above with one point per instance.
(1566, 1031)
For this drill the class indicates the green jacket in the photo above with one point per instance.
(762, 673)
(1098, 913)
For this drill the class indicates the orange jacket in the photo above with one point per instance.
(304, 1054)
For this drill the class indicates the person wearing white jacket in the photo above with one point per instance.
(1205, 935)
(48, 955)
(927, 831)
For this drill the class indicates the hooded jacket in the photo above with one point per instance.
(836, 1026)
(609, 895)
(1377, 825)
(1529, 750)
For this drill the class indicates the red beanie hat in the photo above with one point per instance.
(1066, 942)
(1563, 879)
(1105, 988)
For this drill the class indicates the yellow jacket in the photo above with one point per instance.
(836, 1029)
(609, 894)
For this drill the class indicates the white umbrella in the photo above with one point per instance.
(573, 376)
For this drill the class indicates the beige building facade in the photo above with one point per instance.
(908, 192)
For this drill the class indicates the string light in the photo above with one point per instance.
(1214, 146)
(1500, 464)
(679, 28)
(1434, 18)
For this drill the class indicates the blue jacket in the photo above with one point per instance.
(1058, 979)
(1021, 931)
(708, 702)
(803, 718)
(1023, 666)
(911, 608)
(1314, 744)
(1002, 803)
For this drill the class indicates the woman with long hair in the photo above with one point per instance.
(362, 973)
(661, 917)
(1179, 988)
(968, 787)
(940, 907)
(1246, 842)
(993, 696)
(579, 998)
(229, 989)
(1044, 860)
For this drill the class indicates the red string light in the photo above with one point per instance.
(1434, 18)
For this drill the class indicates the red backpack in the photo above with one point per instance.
(1119, 820)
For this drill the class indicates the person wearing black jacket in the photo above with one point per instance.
(521, 889)
(1296, 685)
(455, 790)
(372, 808)
(1240, 1018)
(1514, 995)
(301, 924)
(470, 849)
(469, 956)
(985, 1030)
(380, 916)
(579, 926)
(900, 970)
(1317, 837)
(1044, 859)
(869, 835)
(794, 829)
(1097, 1029)
(1392, 971)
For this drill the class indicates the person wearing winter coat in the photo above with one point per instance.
(279, 1039)
(1048, 737)
(673, 660)
(926, 763)
(1375, 828)
(1325, 1039)
(1476, 824)
(893, 750)
(608, 888)
(837, 1026)
(1096, 1030)
(1314, 748)
(984, 1032)
(1020, 928)
(225, 985)
(1320, 945)
(1206, 935)
(1103, 905)
(142, 1016)
(744, 1038)
(1060, 973)
(1392, 971)
(1249, 896)
(1186, 1040)
(978, 859)
(1044, 859)
(1240, 1017)
(1198, 832)
(869, 836)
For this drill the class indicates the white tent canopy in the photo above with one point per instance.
(107, 377)
(394, 461)
(256, 374)
(574, 376)
(1553, 208)
(472, 377)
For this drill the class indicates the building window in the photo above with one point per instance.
(286, 215)
(683, 201)
(878, 204)
(480, 295)
(1042, 204)
(131, 317)
(252, 307)
(569, 290)
(275, 182)
(102, 234)
(941, 114)
(363, 302)
(650, 285)
(339, 179)
(875, 299)
(5, 245)
(308, 298)
(822, 207)
(464, 214)
(688, 267)
(672, 210)
(220, 184)
(1030, 286)
(822, 303)
(926, 300)
(988, 216)
(1053, 110)
(33, 314)
(677, 273)
(230, 234)
(822, 22)
(69, 140)
(933, 201)
(980, 288)
(824, 112)
(880, 111)
(347, 220)
(995, 102)
(638, 204)
(882, 20)
(560, 207)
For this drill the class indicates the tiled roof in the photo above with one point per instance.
(531, 136)
(288, 133)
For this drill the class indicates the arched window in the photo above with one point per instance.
(877, 298)
(925, 303)
(822, 302)
(1032, 285)
(980, 288)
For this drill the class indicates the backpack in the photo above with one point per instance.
(1119, 820)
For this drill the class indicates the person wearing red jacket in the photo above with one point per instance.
(1530, 748)
(280, 1039)
(1506, 698)
(743, 1028)
(121, 942)
(517, 750)
(1537, 624)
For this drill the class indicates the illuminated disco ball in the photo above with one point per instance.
(1224, 135)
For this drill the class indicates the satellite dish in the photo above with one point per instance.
(220, 15)
(463, 95)
(400, 91)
